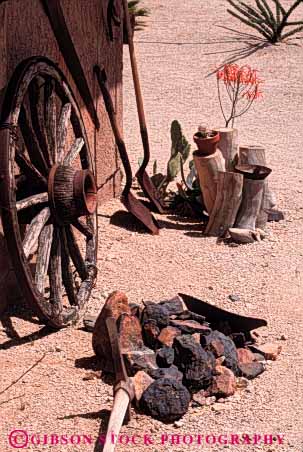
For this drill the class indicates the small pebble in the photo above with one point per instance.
(178, 424)
(234, 298)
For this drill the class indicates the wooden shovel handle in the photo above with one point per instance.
(116, 419)
(139, 99)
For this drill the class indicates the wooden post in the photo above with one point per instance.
(228, 145)
(207, 168)
(228, 200)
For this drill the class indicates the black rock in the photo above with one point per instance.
(188, 315)
(196, 364)
(222, 345)
(156, 312)
(251, 370)
(239, 339)
(166, 400)
(169, 372)
(150, 333)
(174, 306)
(165, 357)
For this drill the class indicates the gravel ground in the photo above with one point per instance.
(181, 45)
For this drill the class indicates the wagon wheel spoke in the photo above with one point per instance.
(50, 114)
(29, 170)
(31, 239)
(35, 154)
(75, 254)
(43, 256)
(55, 274)
(62, 130)
(67, 275)
(32, 201)
(37, 116)
(74, 151)
(83, 228)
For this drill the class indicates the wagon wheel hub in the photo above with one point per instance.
(72, 193)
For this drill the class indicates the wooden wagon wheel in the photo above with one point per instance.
(47, 184)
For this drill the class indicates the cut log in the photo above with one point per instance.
(251, 204)
(268, 203)
(228, 145)
(228, 200)
(252, 161)
(208, 168)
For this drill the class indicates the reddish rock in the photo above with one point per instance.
(130, 333)
(245, 356)
(224, 383)
(216, 347)
(115, 305)
(168, 335)
(269, 351)
(141, 382)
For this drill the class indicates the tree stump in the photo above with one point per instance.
(251, 161)
(251, 203)
(208, 168)
(228, 145)
(252, 197)
(228, 200)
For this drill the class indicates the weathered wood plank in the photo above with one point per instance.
(75, 254)
(50, 112)
(35, 154)
(83, 228)
(55, 275)
(74, 151)
(62, 130)
(32, 201)
(37, 116)
(44, 249)
(29, 170)
(67, 276)
(31, 239)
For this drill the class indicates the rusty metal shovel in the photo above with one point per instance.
(132, 204)
(144, 180)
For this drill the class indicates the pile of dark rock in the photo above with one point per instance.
(177, 357)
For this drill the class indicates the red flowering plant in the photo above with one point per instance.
(242, 86)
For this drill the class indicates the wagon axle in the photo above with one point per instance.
(72, 193)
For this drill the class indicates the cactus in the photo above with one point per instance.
(269, 23)
(180, 149)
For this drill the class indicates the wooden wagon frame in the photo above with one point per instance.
(52, 145)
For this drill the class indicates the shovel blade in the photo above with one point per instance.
(138, 210)
(215, 315)
(151, 191)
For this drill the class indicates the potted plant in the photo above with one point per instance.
(206, 140)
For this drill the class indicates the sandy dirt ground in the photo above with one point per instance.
(180, 47)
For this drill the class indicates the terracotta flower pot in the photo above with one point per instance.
(206, 146)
